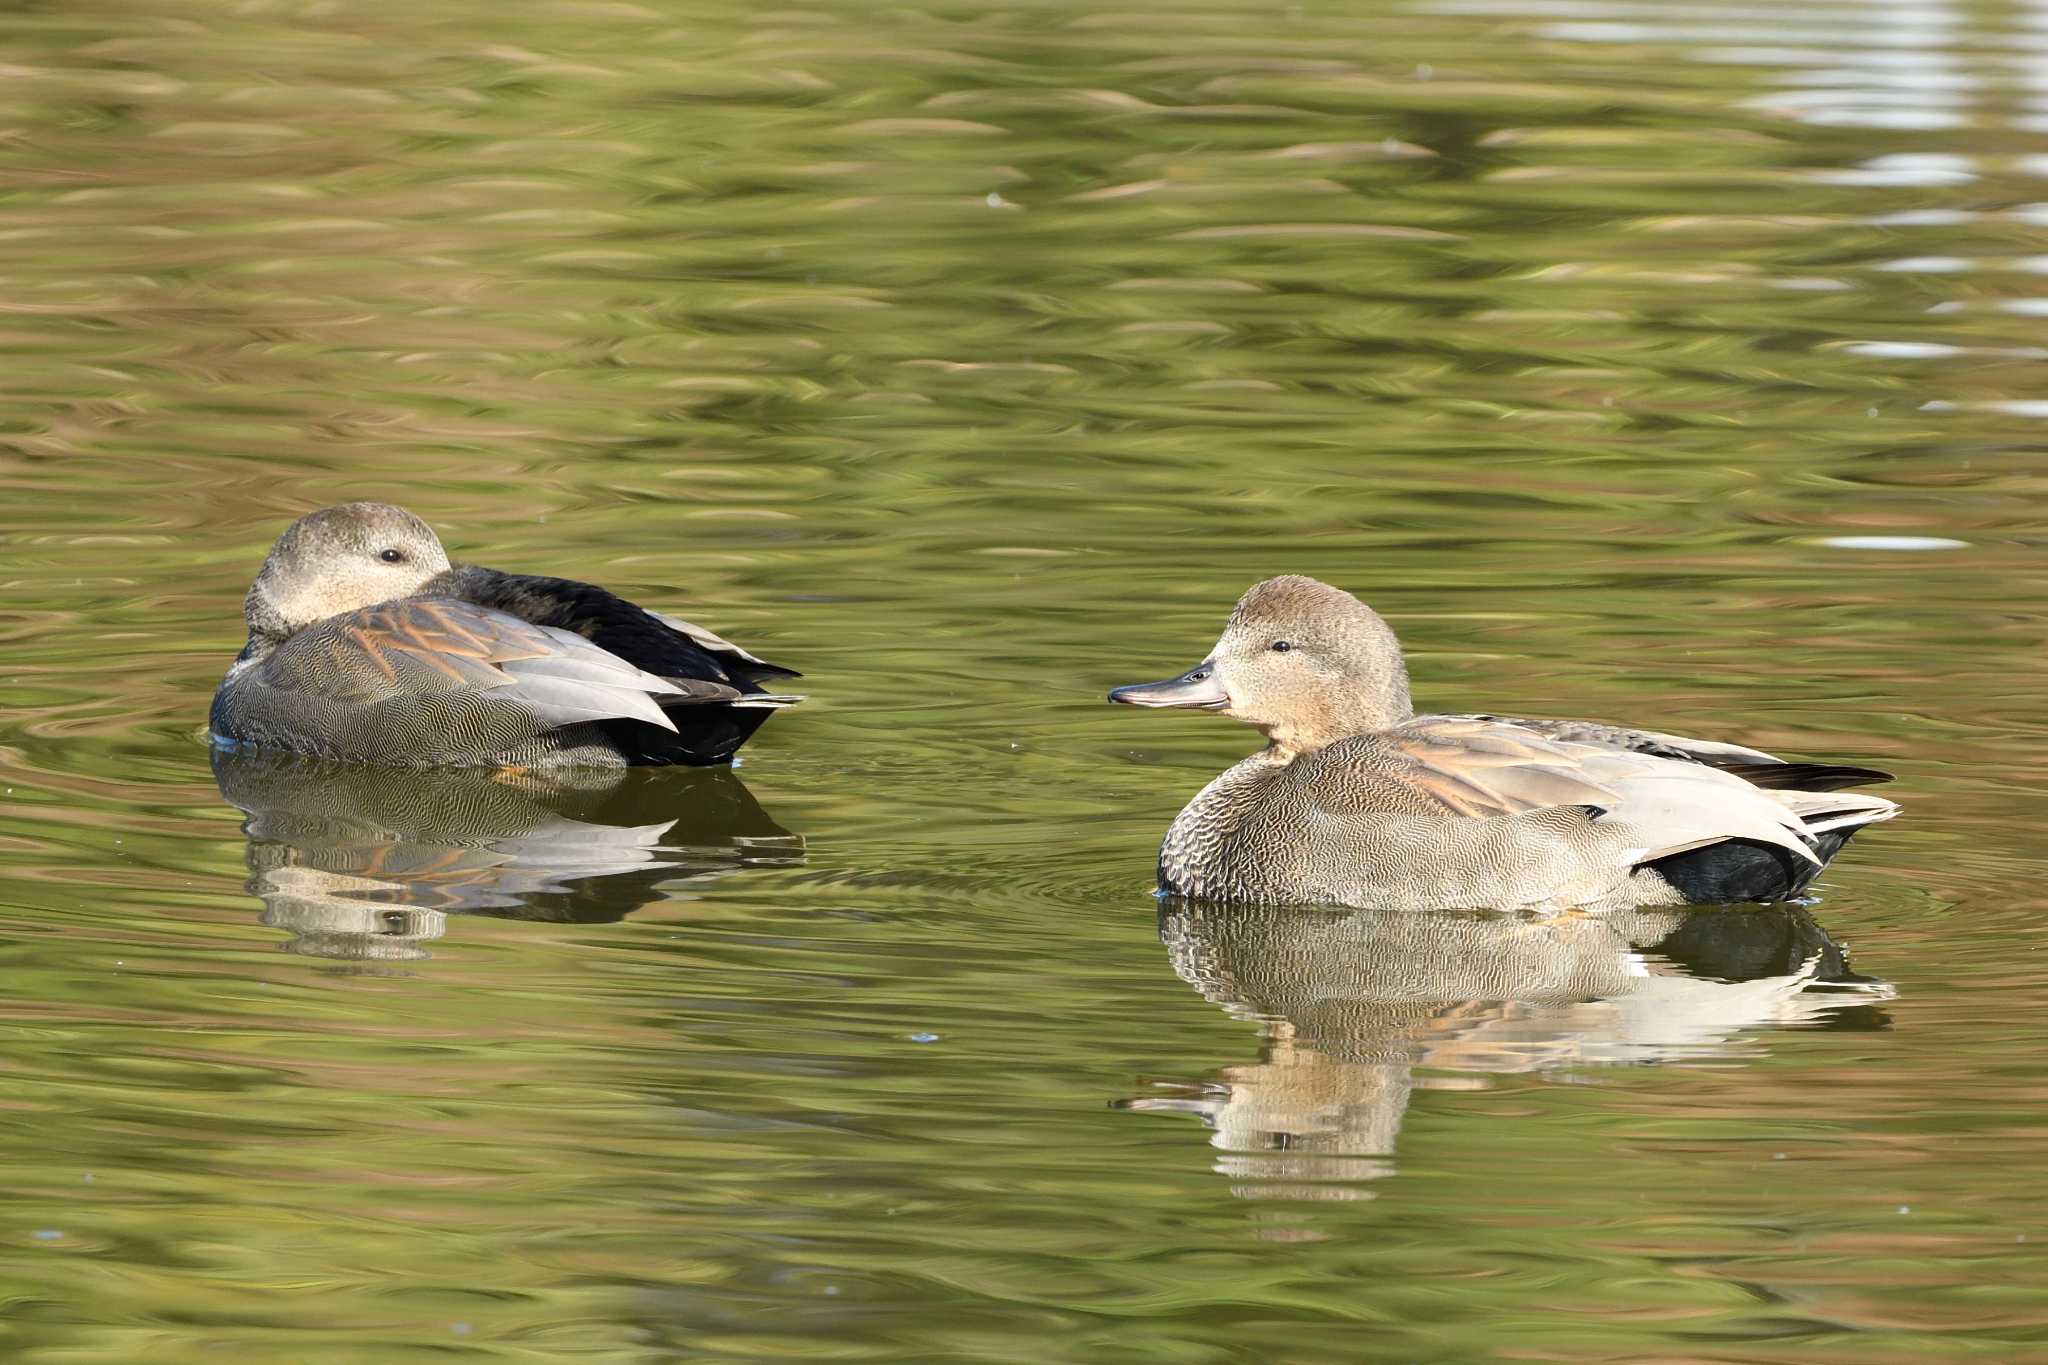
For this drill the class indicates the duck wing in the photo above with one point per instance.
(663, 645)
(1478, 766)
(419, 647)
(1751, 765)
(1482, 766)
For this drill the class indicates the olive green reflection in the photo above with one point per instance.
(1353, 1002)
(366, 864)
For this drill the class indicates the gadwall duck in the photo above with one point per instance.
(1358, 801)
(366, 645)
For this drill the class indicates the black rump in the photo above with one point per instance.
(708, 729)
(607, 621)
(1745, 870)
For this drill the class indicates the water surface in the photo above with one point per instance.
(1679, 368)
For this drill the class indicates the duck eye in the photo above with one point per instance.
(1282, 646)
(392, 556)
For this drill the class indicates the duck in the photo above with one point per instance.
(1358, 801)
(367, 645)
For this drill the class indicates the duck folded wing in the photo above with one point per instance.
(1477, 766)
(1673, 808)
(420, 647)
(1601, 735)
(663, 645)
(1751, 765)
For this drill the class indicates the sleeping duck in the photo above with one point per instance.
(366, 644)
(1358, 801)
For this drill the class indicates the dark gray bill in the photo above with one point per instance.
(1197, 688)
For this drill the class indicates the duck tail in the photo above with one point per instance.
(708, 730)
(1805, 777)
(1733, 870)
(772, 701)
(1823, 812)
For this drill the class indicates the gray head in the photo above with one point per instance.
(1303, 661)
(339, 559)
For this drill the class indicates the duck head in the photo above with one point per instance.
(340, 559)
(1304, 662)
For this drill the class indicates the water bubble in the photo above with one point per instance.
(924, 1037)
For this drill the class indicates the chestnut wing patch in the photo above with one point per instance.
(1478, 767)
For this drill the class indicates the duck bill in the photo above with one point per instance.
(1197, 689)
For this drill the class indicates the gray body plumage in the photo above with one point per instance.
(1337, 827)
(366, 645)
(1357, 801)
(342, 689)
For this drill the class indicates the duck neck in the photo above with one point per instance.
(267, 626)
(1339, 717)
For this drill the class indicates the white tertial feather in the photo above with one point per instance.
(580, 682)
(1678, 806)
(576, 657)
(1823, 811)
(564, 701)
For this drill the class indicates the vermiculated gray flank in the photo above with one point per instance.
(1358, 801)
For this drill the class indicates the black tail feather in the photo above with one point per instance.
(1805, 777)
(756, 670)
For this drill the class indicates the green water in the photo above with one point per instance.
(1678, 365)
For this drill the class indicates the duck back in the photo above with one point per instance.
(710, 723)
(610, 622)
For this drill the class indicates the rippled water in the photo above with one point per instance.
(1680, 365)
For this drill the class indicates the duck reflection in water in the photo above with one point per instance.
(1352, 1002)
(366, 864)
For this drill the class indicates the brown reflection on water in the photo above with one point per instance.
(1351, 1004)
(363, 864)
